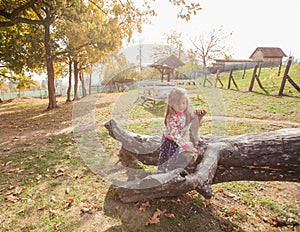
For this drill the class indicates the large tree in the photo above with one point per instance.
(20, 53)
(36, 12)
(212, 45)
(41, 13)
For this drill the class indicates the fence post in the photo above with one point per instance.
(245, 67)
(287, 77)
(279, 68)
(232, 79)
(254, 75)
(218, 78)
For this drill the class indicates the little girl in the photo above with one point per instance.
(176, 125)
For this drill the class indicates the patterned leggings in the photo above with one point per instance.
(168, 155)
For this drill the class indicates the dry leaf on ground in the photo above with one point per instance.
(42, 207)
(155, 218)
(12, 198)
(169, 215)
(144, 206)
(68, 202)
(86, 209)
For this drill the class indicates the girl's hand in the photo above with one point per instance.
(200, 111)
(192, 149)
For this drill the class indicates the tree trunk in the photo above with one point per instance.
(70, 82)
(50, 69)
(269, 156)
(81, 77)
(76, 73)
(90, 84)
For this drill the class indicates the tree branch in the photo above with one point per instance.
(269, 156)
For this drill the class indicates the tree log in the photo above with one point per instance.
(268, 156)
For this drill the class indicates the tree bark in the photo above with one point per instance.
(76, 73)
(50, 69)
(70, 82)
(81, 77)
(90, 83)
(269, 156)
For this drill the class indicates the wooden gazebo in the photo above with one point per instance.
(167, 65)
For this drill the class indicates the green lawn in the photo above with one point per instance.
(45, 185)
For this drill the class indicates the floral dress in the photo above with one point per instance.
(172, 140)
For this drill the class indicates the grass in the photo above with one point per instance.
(45, 177)
(45, 185)
(247, 192)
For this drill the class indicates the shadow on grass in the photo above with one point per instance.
(190, 214)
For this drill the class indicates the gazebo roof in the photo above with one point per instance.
(170, 62)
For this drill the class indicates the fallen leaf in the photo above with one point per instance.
(18, 190)
(59, 174)
(59, 170)
(233, 209)
(144, 206)
(86, 209)
(29, 181)
(52, 212)
(155, 218)
(192, 193)
(68, 202)
(38, 178)
(53, 199)
(42, 207)
(235, 197)
(58, 225)
(18, 170)
(169, 215)
(221, 190)
(12, 198)
(8, 163)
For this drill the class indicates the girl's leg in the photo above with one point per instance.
(174, 152)
(163, 155)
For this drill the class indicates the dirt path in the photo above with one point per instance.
(26, 119)
(230, 118)
(19, 124)
(255, 120)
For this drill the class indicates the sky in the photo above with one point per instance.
(253, 23)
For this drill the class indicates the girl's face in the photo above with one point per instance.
(181, 105)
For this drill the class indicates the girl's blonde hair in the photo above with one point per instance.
(173, 98)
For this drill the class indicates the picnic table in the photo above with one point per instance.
(158, 91)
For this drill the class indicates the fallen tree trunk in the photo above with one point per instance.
(269, 156)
